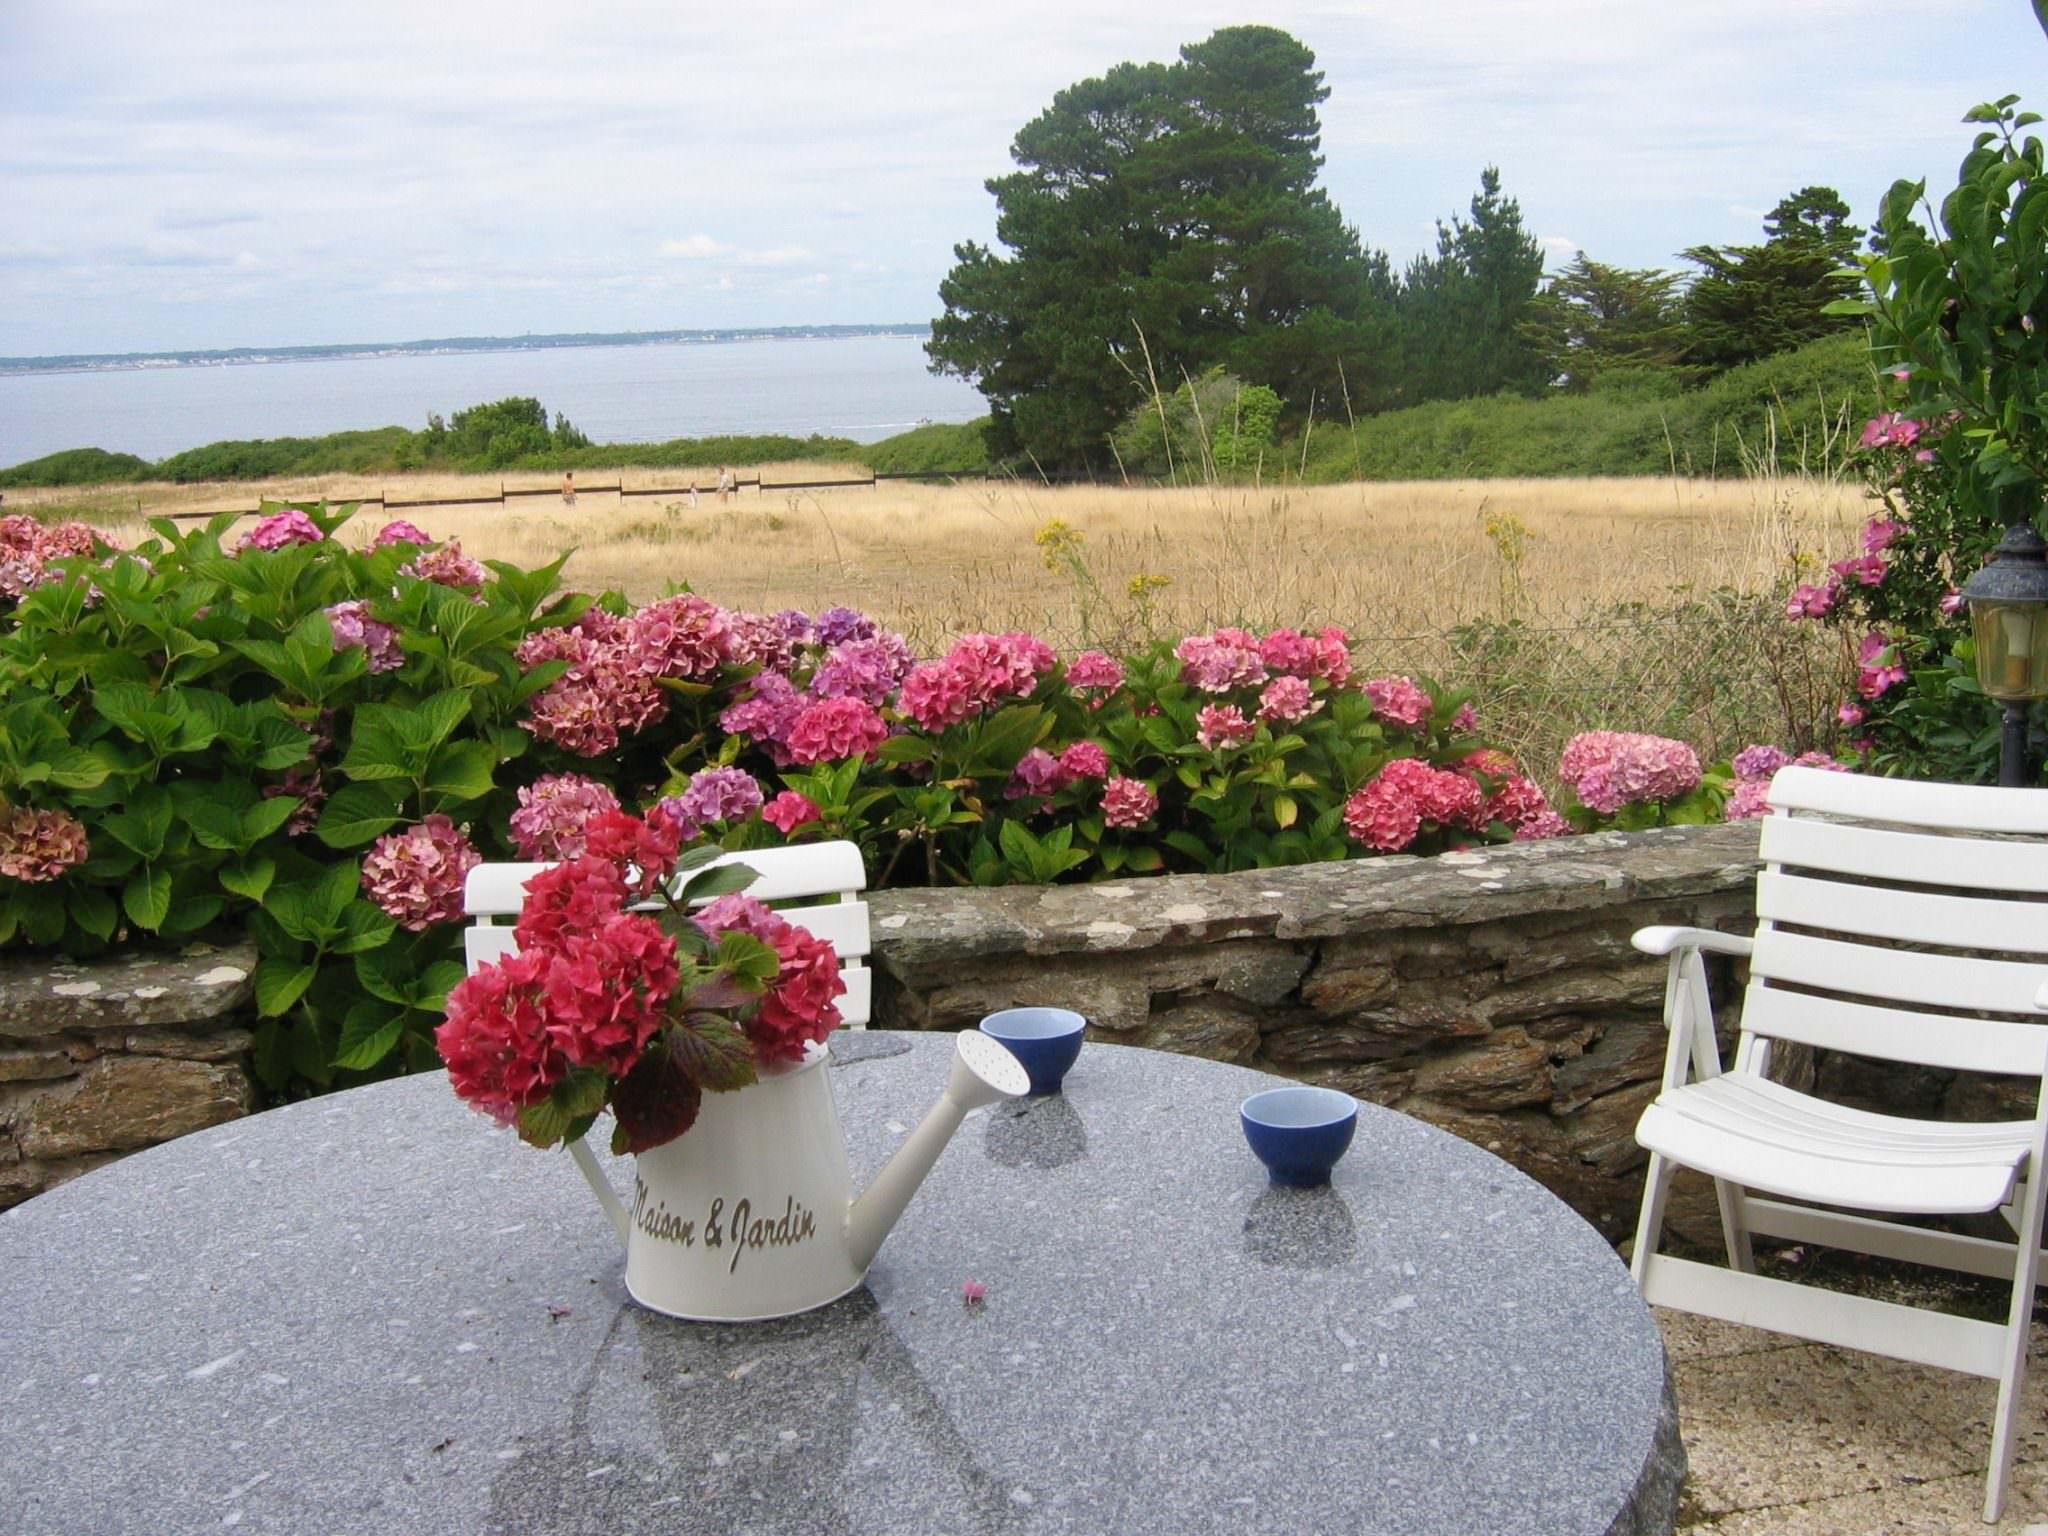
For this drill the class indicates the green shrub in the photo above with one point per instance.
(77, 466)
(936, 447)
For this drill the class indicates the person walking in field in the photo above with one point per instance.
(693, 495)
(569, 489)
(724, 482)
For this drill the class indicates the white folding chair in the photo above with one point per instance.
(1854, 869)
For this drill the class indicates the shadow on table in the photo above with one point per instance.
(818, 1423)
(1300, 1228)
(1035, 1133)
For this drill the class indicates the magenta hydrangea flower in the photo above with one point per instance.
(1219, 662)
(1093, 670)
(788, 811)
(1878, 666)
(416, 875)
(1128, 803)
(1084, 760)
(682, 637)
(1288, 653)
(937, 694)
(868, 669)
(553, 812)
(1466, 720)
(725, 795)
(401, 532)
(827, 730)
(1748, 800)
(353, 626)
(1610, 769)
(1037, 775)
(1287, 699)
(836, 626)
(38, 846)
(1398, 700)
(1389, 811)
(1759, 761)
(766, 713)
(1549, 824)
(761, 640)
(290, 526)
(1222, 726)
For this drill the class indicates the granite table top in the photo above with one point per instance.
(377, 1313)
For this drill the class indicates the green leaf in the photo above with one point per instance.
(250, 878)
(711, 1051)
(721, 881)
(357, 814)
(265, 817)
(439, 979)
(377, 749)
(92, 909)
(431, 721)
(364, 925)
(368, 1035)
(545, 1124)
(386, 973)
(280, 983)
(748, 960)
(329, 896)
(147, 898)
(461, 771)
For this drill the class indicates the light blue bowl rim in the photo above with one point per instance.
(1033, 1024)
(1337, 1107)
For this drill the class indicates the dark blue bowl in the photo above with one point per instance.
(1046, 1040)
(1299, 1133)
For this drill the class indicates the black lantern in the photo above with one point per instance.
(2008, 601)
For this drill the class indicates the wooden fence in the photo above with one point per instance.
(623, 491)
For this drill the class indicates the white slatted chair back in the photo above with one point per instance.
(815, 885)
(1905, 922)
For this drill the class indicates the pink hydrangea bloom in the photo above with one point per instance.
(608, 692)
(1221, 726)
(1749, 799)
(827, 730)
(1514, 800)
(1389, 811)
(290, 526)
(1084, 760)
(1878, 666)
(1819, 760)
(1219, 662)
(1289, 653)
(768, 640)
(1759, 761)
(788, 811)
(681, 637)
(1287, 699)
(836, 626)
(800, 1009)
(1095, 670)
(38, 846)
(770, 707)
(1810, 602)
(1466, 720)
(352, 626)
(993, 668)
(447, 566)
(553, 812)
(1398, 701)
(1333, 655)
(400, 532)
(1037, 775)
(937, 694)
(1128, 803)
(1549, 824)
(1610, 769)
(416, 875)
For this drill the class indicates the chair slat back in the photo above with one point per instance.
(833, 873)
(1856, 868)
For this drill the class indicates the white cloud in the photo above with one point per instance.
(691, 247)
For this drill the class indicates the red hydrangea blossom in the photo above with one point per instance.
(800, 1010)
(937, 694)
(1390, 810)
(788, 811)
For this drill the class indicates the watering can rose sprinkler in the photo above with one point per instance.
(714, 1024)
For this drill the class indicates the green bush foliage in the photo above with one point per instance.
(76, 466)
(937, 447)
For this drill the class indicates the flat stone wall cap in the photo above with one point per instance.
(135, 989)
(921, 928)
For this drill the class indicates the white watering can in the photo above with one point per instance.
(750, 1214)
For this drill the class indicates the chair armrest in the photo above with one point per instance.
(1663, 941)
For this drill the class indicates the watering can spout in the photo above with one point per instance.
(983, 1073)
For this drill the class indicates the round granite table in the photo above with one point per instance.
(377, 1314)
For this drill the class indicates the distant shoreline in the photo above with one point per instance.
(452, 346)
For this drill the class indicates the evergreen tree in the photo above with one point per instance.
(1751, 301)
(1594, 318)
(1461, 309)
(1163, 220)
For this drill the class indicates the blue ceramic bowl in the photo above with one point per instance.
(1299, 1133)
(1046, 1040)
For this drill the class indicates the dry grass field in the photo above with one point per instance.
(1566, 602)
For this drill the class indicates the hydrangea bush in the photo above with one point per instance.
(315, 743)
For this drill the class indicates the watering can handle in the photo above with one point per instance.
(600, 1186)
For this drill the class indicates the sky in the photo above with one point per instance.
(252, 173)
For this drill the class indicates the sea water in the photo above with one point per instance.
(862, 387)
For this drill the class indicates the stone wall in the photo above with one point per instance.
(1493, 992)
(115, 1055)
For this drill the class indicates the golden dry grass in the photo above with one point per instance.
(1384, 560)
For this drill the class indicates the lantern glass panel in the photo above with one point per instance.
(2012, 648)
